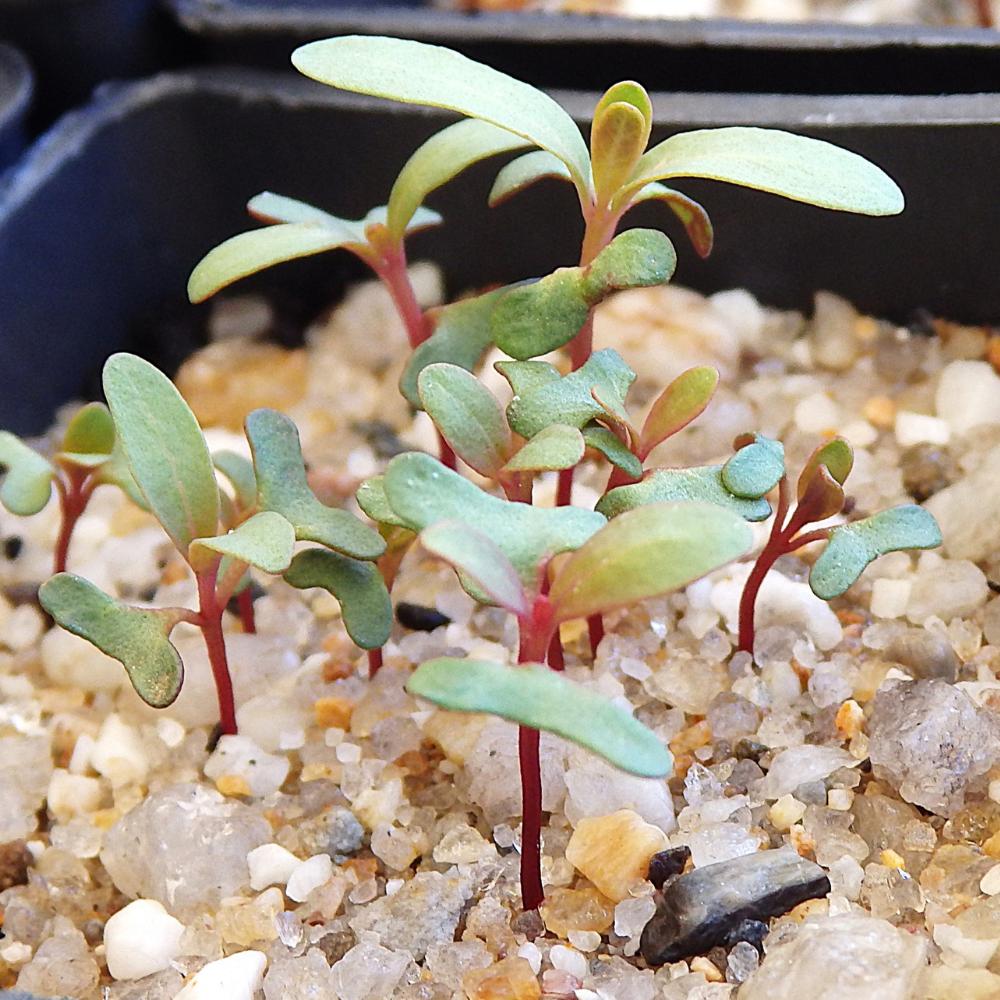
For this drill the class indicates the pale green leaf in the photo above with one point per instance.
(521, 173)
(618, 136)
(557, 446)
(702, 484)
(468, 416)
(645, 553)
(853, 546)
(239, 472)
(90, 436)
(479, 560)
(835, 455)
(358, 587)
(526, 376)
(116, 472)
(283, 488)
(417, 73)
(373, 501)
(274, 208)
(165, 448)
(266, 541)
(569, 400)
(755, 468)
(248, 253)
(691, 214)
(637, 258)
(442, 157)
(794, 166)
(461, 336)
(541, 316)
(421, 492)
(680, 403)
(613, 449)
(27, 477)
(137, 638)
(532, 695)
(631, 93)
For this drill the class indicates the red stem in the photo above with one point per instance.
(984, 13)
(244, 600)
(595, 626)
(391, 268)
(74, 495)
(446, 454)
(555, 654)
(374, 661)
(210, 622)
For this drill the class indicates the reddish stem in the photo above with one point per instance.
(446, 454)
(555, 655)
(564, 489)
(74, 495)
(374, 661)
(244, 601)
(984, 13)
(391, 268)
(210, 621)
(595, 627)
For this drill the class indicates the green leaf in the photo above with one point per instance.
(701, 484)
(468, 416)
(618, 137)
(526, 376)
(556, 447)
(755, 468)
(265, 540)
(115, 471)
(478, 559)
(461, 336)
(680, 403)
(373, 501)
(691, 214)
(247, 253)
(645, 553)
(421, 491)
(357, 586)
(136, 637)
(569, 400)
(631, 93)
(417, 73)
(283, 488)
(27, 483)
(274, 208)
(90, 436)
(540, 316)
(442, 157)
(165, 447)
(239, 472)
(853, 546)
(534, 696)
(613, 449)
(637, 258)
(835, 455)
(794, 166)
(521, 173)
(823, 497)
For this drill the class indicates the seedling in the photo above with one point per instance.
(170, 462)
(820, 495)
(89, 456)
(503, 551)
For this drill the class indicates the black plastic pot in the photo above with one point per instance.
(16, 87)
(76, 44)
(102, 222)
(591, 52)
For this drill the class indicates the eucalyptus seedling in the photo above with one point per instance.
(611, 176)
(644, 554)
(850, 547)
(89, 456)
(171, 465)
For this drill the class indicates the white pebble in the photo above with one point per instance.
(990, 882)
(118, 753)
(840, 799)
(890, 597)
(241, 757)
(816, 413)
(237, 977)
(532, 954)
(959, 950)
(309, 875)
(919, 428)
(994, 790)
(348, 753)
(140, 939)
(72, 794)
(79, 761)
(270, 864)
(569, 960)
(585, 940)
(171, 732)
(968, 395)
(74, 662)
(16, 953)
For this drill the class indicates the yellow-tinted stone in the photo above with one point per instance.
(232, 784)
(613, 851)
(333, 713)
(850, 718)
(892, 860)
(566, 910)
(509, 979)
(992, 846)
(456, 733)
(707, 968)
(880, 411)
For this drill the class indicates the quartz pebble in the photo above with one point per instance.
(801, 765)
(950, 588)
(848, 957)
(511, 978)
(140, 939)
(237, 977)
(968, 511)
(118, 753)
(702, 908)
(968, 395)
(270, 864)
(367, 972)
(309, 875)
(240, 757)
(614, 851)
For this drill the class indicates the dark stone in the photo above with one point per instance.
(927, 469)
(924, 655)
(746, 749)
(703, 908)
(751, 931)
(336, 944)
(419, 618)
(381, 436)
(345, 834)
(12, 546)
(664, 864)
(15, 860)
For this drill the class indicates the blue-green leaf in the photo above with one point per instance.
(27, 481)
(265, 540)
(523, 172)
(755, 468)
(611, 447)
(556, 447)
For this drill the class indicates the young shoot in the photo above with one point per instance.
(89, 456)
(820, 495)
(503, 552)
(171, 465)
